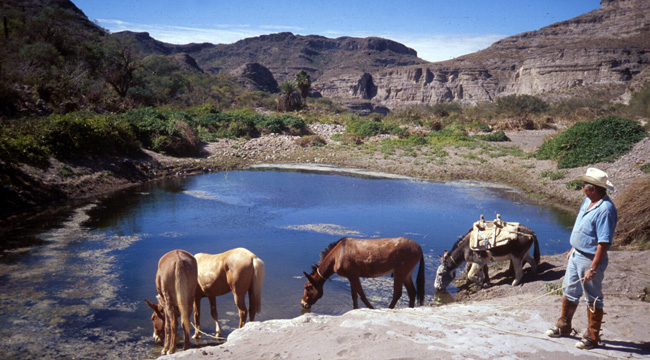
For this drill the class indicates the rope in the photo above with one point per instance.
(562, 288)
(206, 334)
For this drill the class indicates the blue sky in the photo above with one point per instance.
(437, 29)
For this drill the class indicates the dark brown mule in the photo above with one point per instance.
(517, 251)
(356, 258)
(238, 271)
(176, 283)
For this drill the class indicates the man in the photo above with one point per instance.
(590, 239)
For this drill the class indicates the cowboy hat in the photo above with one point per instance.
(596, 177)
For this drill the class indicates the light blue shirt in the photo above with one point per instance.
(595, 225)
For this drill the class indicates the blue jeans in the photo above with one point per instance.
(576, 269)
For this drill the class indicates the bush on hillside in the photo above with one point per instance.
(450, 135)
(82, 134)
(22, 146)
(585, 143)
(164, 132)
(518, 105)
(497, 136)
(365, 128)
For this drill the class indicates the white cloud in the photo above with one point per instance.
(220, 34)
(448, 46)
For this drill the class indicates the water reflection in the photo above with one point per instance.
(79, 286)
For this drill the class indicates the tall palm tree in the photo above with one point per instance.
(289, 98)
(303, 81)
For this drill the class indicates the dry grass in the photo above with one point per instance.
(633, 229)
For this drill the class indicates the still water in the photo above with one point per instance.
(76, 289)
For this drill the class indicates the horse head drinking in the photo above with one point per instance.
(176, 283)
(355, 258)
(479, 251)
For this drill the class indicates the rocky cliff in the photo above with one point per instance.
(284, 54)
(606, 50)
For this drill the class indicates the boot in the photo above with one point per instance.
(591, 337)
(563, 325)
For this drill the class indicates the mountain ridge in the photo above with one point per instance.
(606, 50)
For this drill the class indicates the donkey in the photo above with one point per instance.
(176, 283)
(517, 251)
(355, 258)
(238, 271)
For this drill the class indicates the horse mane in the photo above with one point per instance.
(460, 239)
(324, 253)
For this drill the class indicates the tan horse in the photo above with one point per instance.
(238, 271)
(355, 258)
(176, 284)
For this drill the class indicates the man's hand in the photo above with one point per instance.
(589, 275)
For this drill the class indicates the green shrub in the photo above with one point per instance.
(451, 135)
(272, 124)
(446, 109)
(310, 141)
(293, 122)
(79, 134)
(520, 105)
(498, 136)
(164, 131)
(585, 143)
(645, 168)
(18, 147)
(365, 128)
(554, 175)
(553, 288)
(574, 184)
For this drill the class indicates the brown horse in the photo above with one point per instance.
(238, 271)
(176, 283)
(355, 258)
(517, 251)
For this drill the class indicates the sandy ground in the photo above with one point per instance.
(501, 322)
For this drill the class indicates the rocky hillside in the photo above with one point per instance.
(606, 50)
(284, 54)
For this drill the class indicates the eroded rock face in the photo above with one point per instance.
(607, 49)
(255, 76)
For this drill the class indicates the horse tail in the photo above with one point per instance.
(420, 281)
(536, 250)
(185, 283)
(255, 292)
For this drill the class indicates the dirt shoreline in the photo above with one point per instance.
(538, 180)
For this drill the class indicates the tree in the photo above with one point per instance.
(121, 65)
(289, 98)
(303, 82)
